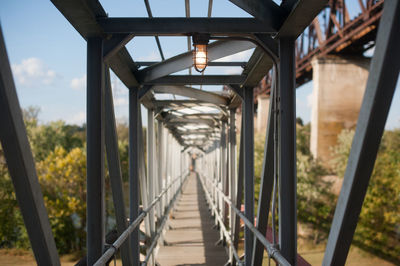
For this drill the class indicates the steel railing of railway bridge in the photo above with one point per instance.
(210, 136)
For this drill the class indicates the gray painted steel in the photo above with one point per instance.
(232, 168)
(114, 167)
(383, 74)
(183, 61)
(287, 151)
(95, 150)
(186, 91)
(21, 167)
(198, 80)
(248, 133)
(113, 45)
(267, 181)
(300, 16)
(265, 10)
(134, 106)
(185, 26)
(237, 64)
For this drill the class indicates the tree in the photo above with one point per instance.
(62, 176)
(378, 229)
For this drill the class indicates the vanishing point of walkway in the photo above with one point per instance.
(191, 238)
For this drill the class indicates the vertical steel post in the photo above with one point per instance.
(160, 165)
(248, 131)
(143, 175)
(134, 106)
(232, 168)
(239, 190)
(150, 168)
(287, 156)
(381, 85)
(95, 150)
(224, 165)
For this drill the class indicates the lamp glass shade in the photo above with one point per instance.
(200, 57)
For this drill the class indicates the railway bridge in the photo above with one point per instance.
(196, 166)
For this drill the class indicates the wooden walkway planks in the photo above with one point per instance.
(191, 238)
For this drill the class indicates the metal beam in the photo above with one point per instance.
(248, 132)
(383, 74)
(257, 67)
(214, 64)
(185, 26)
(95, 150)
(21, 167)
(114, 44)
(186, 91)
(178, 120)
(179, 103)
(239, 191)
(216, 50)
(267, 181)
(114, 167)
(198, 80)
(232, 169)
(265, 10)
(134, 165)
(301, 16)
(287, 151)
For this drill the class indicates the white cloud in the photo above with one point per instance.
(32, 71)
(78, 83)
(77, 119)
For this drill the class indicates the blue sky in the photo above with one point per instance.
(48, 56)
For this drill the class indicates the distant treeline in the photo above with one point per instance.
(60, 155)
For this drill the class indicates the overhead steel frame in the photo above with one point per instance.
(289, 20)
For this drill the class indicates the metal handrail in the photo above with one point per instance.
(121, 239)
(225, 232)
(272, 250)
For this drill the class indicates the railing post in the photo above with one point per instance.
(287, 155)
(232, 169)
(134, 106)
(95, 150)
(248, 120)
(160, 168)
(150, 169)
(239, 190)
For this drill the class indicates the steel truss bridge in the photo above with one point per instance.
(176, 137)
(342, 28)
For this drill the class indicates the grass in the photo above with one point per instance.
(12, 257)
(315, 254)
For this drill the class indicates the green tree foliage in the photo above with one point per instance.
(12, 229)
(378, 229)
(314, 198)
(62, 176)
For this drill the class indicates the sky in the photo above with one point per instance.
(48, 56)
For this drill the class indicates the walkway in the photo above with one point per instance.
(191, 238)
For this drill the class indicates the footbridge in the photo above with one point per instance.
(189, 181)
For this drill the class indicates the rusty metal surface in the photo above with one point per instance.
(334, 31)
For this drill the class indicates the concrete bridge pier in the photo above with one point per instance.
(262, 113)
(339, 85)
